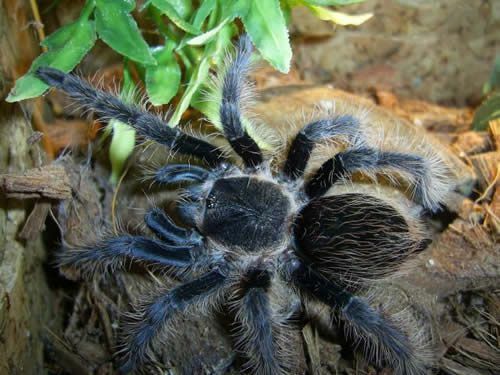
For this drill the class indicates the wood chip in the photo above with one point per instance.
(36, 221)
(472, 142)
(486, 166)
(50, 181)
(492, 219)
(495, 133)
(479, 349)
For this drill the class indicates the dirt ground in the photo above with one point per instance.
(424, 62)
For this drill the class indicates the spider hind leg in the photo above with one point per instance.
(151, 318)
(382, 341)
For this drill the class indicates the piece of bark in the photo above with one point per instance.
(479, 349)
(492, 219)
(472, 142)
(494, 130)
(35, 223)
(464, 251)
(486, 167)
(50, 181)
(427, 115)
(455, 368)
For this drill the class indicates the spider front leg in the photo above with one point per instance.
(177, 247)
(428, 184)
(233, 90)
(150, 318)
(107, 107)
(380, 339)
(166, 230)
(114, 252)
(344, 126)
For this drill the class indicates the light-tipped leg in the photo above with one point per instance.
(343, 126)
(150, 319)
(148, 125)
(427, 187)
(256, 336)
(378, 337)
(233, 85)
(115, 252)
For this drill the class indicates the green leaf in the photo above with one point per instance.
(123, 136)
(166, 8)
(163, 80)
(333, 2)
(183, 7)
(66, 48)
(208, 36)
(339, 18)
(266, 27)
(237, 8)
(121, 147)
(217, 48)
(118, 29)
(494, 81)
(199, 76)
(206, 7)
(207, 97)
(286, 8)
(487, 111)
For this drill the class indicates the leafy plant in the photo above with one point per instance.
(490, 107)
(192, 38)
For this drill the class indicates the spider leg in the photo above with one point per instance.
(233, 85)
(177, 173)
(381, 340)
(148, 125)
(313, 133)
(371, 160)
(256, 336)
(166, 230)
(114, 252)
(159, 314)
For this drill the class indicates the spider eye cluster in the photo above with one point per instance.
(211, 201)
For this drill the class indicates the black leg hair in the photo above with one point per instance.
(148, 125)
(144, 326)
(256, 334)
(233, 85)
(313, 133)
(166, 230)
(381, 341)
(370, 160)
(114, 252)
(178, 173)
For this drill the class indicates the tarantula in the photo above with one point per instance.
(263, 240)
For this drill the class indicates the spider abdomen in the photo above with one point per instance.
(246, 212)
(354, 236)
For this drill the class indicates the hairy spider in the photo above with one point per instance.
(263, 239)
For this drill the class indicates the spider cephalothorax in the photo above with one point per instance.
(264, 240)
